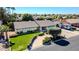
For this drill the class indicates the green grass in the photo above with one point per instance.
(21, 42)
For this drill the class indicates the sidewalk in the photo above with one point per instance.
(69, 34)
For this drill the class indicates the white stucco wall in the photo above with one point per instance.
(25, 29)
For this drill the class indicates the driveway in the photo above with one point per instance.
(73, 46)
(72, 38)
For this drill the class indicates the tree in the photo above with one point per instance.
(12, 17)
(27, 17)
(10, 9)
(2, 13)
(4, 28)
(55, 32)
(50, 18)
(54, 16)
(41, 18)
(10, 12)
(5, 14)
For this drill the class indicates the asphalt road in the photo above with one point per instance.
(73, 46)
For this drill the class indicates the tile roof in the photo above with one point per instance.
(73, 20)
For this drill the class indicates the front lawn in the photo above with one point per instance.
(22, 41)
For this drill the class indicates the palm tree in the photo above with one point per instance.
(10, 9)
(4, 28)
(2, 13)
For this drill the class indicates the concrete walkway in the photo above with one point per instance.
(38, 42)
(69, 34)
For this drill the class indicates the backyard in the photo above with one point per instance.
(21, 42)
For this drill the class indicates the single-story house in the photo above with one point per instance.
(73, 22)
(65, 25)
(25, 26)
(69, 23)
(45, 25)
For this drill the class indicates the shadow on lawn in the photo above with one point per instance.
(29, 47)
(60, 41)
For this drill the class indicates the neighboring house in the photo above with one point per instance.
(65, 24)
(33, 25)
(36, 17)
(73, 22)
(25, 26)
(69, 23)
(44, 25)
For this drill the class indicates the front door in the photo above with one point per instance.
(44, 29)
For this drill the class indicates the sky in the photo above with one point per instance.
(47, 10)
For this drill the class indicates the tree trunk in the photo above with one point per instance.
(7, 40)
(6, 35)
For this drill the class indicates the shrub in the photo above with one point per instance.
(33, 40)
(30, 45)
(47, 41)
(11, 43)
(41, 34)
(47, 33)
(28, 32)
(35, 37)
(19, 33)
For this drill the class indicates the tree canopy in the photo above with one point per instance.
(41, 18)
(5, 15)
(27, 17)
(50, 18)
(4, 28)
